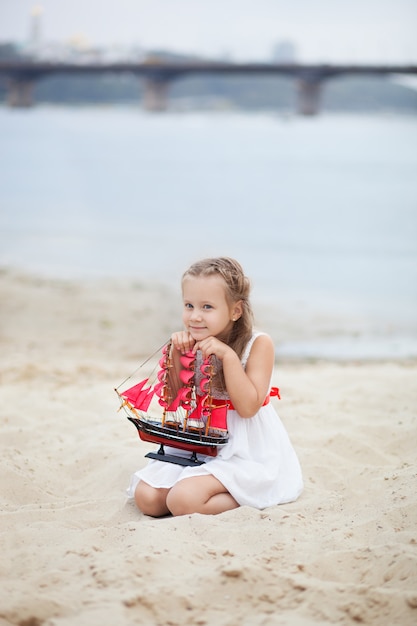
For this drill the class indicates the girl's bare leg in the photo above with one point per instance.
(199, 494)
(150, 500)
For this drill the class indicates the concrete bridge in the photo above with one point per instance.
(158, 74)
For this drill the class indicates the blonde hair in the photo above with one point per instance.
(237, 287)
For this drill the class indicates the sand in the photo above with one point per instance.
(75, 551)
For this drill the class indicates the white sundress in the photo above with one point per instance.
(258, 466)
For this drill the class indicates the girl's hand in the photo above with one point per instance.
(182, 341)
(211, 345)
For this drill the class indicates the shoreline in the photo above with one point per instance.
(301, 337)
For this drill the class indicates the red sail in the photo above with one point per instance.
(206, 368)
(187, 360)
(185, 395)
(162, 375)
(186, 376)
(139, 397)
(145, 399)
(158, 388)
(218, 420)
(163, 364)
(205, 385)
(132, 393)
(174, 405)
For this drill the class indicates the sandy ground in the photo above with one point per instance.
(76, 552)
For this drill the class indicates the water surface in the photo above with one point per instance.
(321, 212)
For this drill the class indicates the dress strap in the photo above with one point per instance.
(247, 350)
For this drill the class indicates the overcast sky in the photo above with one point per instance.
(322, 30)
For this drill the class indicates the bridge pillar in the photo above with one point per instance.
(20, 92)
(155, 97)
(309, 91)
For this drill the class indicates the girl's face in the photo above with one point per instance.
(207, 313)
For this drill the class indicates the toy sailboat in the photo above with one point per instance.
(190, 419)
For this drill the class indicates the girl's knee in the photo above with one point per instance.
(175, 500)
(151, 501)
(180, 500)
(202, 494)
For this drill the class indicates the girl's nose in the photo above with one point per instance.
(196, 315)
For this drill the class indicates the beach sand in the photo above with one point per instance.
(76, 552)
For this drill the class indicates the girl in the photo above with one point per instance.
(258, 466)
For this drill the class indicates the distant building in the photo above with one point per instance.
(35, 27)
(284, 52)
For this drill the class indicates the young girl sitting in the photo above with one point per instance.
(258, 466)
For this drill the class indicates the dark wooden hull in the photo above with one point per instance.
(154, 432)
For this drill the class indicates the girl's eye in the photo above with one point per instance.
(188, 305)
(207, 307)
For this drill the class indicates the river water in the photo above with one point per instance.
(321, 212)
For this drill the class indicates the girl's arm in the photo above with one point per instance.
(248, 387)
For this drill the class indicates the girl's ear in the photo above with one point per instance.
(237, 311)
